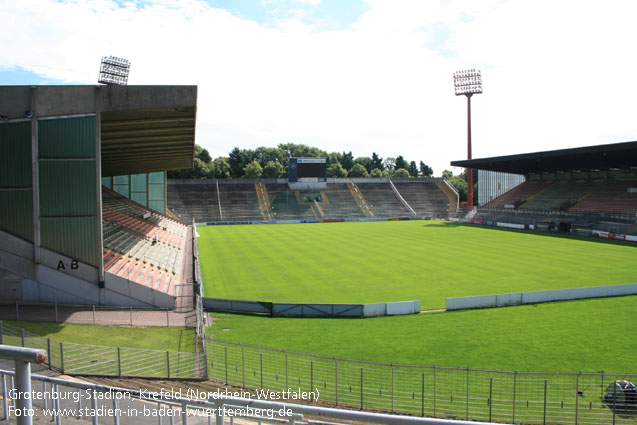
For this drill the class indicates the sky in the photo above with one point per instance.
(354, 75)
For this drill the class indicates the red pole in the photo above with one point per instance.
(469, 170)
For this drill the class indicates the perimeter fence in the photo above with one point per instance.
(443, 392)
(84, 359)
(96, 315)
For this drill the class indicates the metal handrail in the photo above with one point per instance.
(220, 401)
(22, 357)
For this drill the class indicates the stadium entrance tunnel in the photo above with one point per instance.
(621, 398)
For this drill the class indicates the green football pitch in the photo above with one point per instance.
(400, 260)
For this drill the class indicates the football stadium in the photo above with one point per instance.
(383, 300)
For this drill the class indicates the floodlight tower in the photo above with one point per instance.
(468, 83)
(114, 71)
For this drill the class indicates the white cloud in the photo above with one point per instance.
(554, 72)
(313, 3)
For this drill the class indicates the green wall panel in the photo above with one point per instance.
(143, 188)
(138, 182)
(67, 188)
(157, 177)
(67, 138)
(74, 237)
(16, 213)
(120, 180)
(156, 192)
(140, 198)
(122, 189)
(157, 206)
(15, 160)
(108, 182)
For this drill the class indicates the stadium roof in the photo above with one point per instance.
(600, 157)
(142, 128)
(147, 140)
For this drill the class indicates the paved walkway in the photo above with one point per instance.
(100, 316)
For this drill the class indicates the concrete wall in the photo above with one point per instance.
(237, 305)
(70, 100)
(118, 289)
(313, 310)
(518, 298)
(320, 310)
(60, 279)
(392, 308)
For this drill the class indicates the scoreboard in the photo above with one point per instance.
(307, 169)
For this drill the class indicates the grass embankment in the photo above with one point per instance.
(173, 339)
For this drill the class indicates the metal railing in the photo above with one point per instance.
(22, 358)
(62, 398)
(95, 314)
(445, 392)
(85, 359)
(587, 215)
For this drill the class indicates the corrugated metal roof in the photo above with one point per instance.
(600, 157)
(143, 141)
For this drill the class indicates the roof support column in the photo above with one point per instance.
(98, 171)
(35, 175)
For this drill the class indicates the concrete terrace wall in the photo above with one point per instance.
(61, 279)
(360, 180)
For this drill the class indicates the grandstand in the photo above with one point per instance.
(580, 189)
(273, 199)
(83, 193)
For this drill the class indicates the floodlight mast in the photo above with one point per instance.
(467, 83)
(114, 71)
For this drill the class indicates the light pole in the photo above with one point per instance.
(468, 83)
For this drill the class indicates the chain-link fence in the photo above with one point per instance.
(444, 392)
(85, 359)
(98, 315)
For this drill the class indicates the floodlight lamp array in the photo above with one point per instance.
(467, 82)
(114, 71)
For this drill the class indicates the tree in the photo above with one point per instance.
(237, 162)
(365, 161)
(446, 174)
(265, 155)
(253, 170)
(376, 173)
(272, 170)
(336, 170)
(461, 186)
(389, 164)
(347, 160)
(358, 171)
(333, 158)
(401, 163)
(413, 169)
(298, 151)
(401, 172)
(202, 154)
(200, 169)
(221, 168)
(425, 170)
(377, 162)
